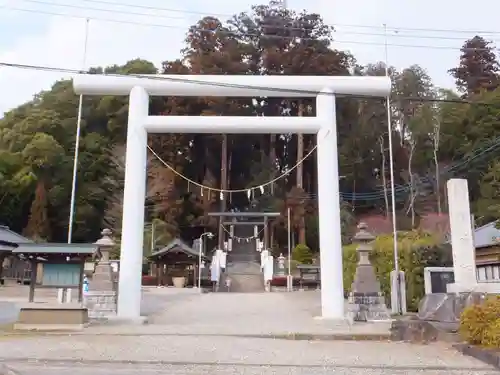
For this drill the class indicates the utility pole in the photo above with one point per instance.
(77, 141)
(398, 309)
(300, 174)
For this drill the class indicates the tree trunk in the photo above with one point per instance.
(436, 165)
(300, 176)
(223, 186)
(411, 207)
(272, 158)
(384, 182)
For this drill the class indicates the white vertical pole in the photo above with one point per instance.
(200, 253)
(397, 308)
(152, 235)
(289, 280)
(332, 288)
(77, 141)
(129, 297)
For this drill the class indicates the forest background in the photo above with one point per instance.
(437, 134)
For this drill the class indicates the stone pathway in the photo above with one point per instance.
(245, 314)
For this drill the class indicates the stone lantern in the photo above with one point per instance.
(101, 297)
(104, 245)
(366, 302)
(281, 265)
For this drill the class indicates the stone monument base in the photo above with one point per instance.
(447, 307)
(365, 307)
(100, 304)
(411, 329)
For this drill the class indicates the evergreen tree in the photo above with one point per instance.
(478, 68)
(38, 225)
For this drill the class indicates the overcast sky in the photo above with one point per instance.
(40, 38)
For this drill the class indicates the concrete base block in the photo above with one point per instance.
(52, 317)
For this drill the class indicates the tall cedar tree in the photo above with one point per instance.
(38, 226)
(478, 68)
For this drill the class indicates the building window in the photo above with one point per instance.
(488, 273)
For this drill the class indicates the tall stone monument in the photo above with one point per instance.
(447, 307)
(462, 237)
(365, 301)
(100, 300)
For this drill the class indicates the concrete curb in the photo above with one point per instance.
(293, 336)
(324, 337)
(488, 356)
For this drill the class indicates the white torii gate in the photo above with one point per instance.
(140, 123)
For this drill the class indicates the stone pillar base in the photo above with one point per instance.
(365, 307)
(100, 304)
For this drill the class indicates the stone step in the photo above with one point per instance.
(241, 283)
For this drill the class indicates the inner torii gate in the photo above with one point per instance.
(140, 123)
(230, 219)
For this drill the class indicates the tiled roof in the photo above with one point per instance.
(7, 235)
(487, 235)
(176, 245)
(55, 248)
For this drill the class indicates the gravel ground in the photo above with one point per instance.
(196, 355)
(193, 369)
(153, 300)
(187, 337)
(8, 312)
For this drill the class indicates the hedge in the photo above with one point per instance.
(480, 324)
(302, 254)
(416, 251)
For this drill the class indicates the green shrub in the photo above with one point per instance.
(302, 254)
(480, 324)
(491, 338)
(416, 250)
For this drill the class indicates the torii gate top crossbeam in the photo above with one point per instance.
(231, 85)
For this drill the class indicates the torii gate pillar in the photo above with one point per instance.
(140, 124)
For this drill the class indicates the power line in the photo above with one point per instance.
(363, 26)
(347, 196)
(494, 145)
(219, 31)
(186, 80)
(396, 34)
(306, 93)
